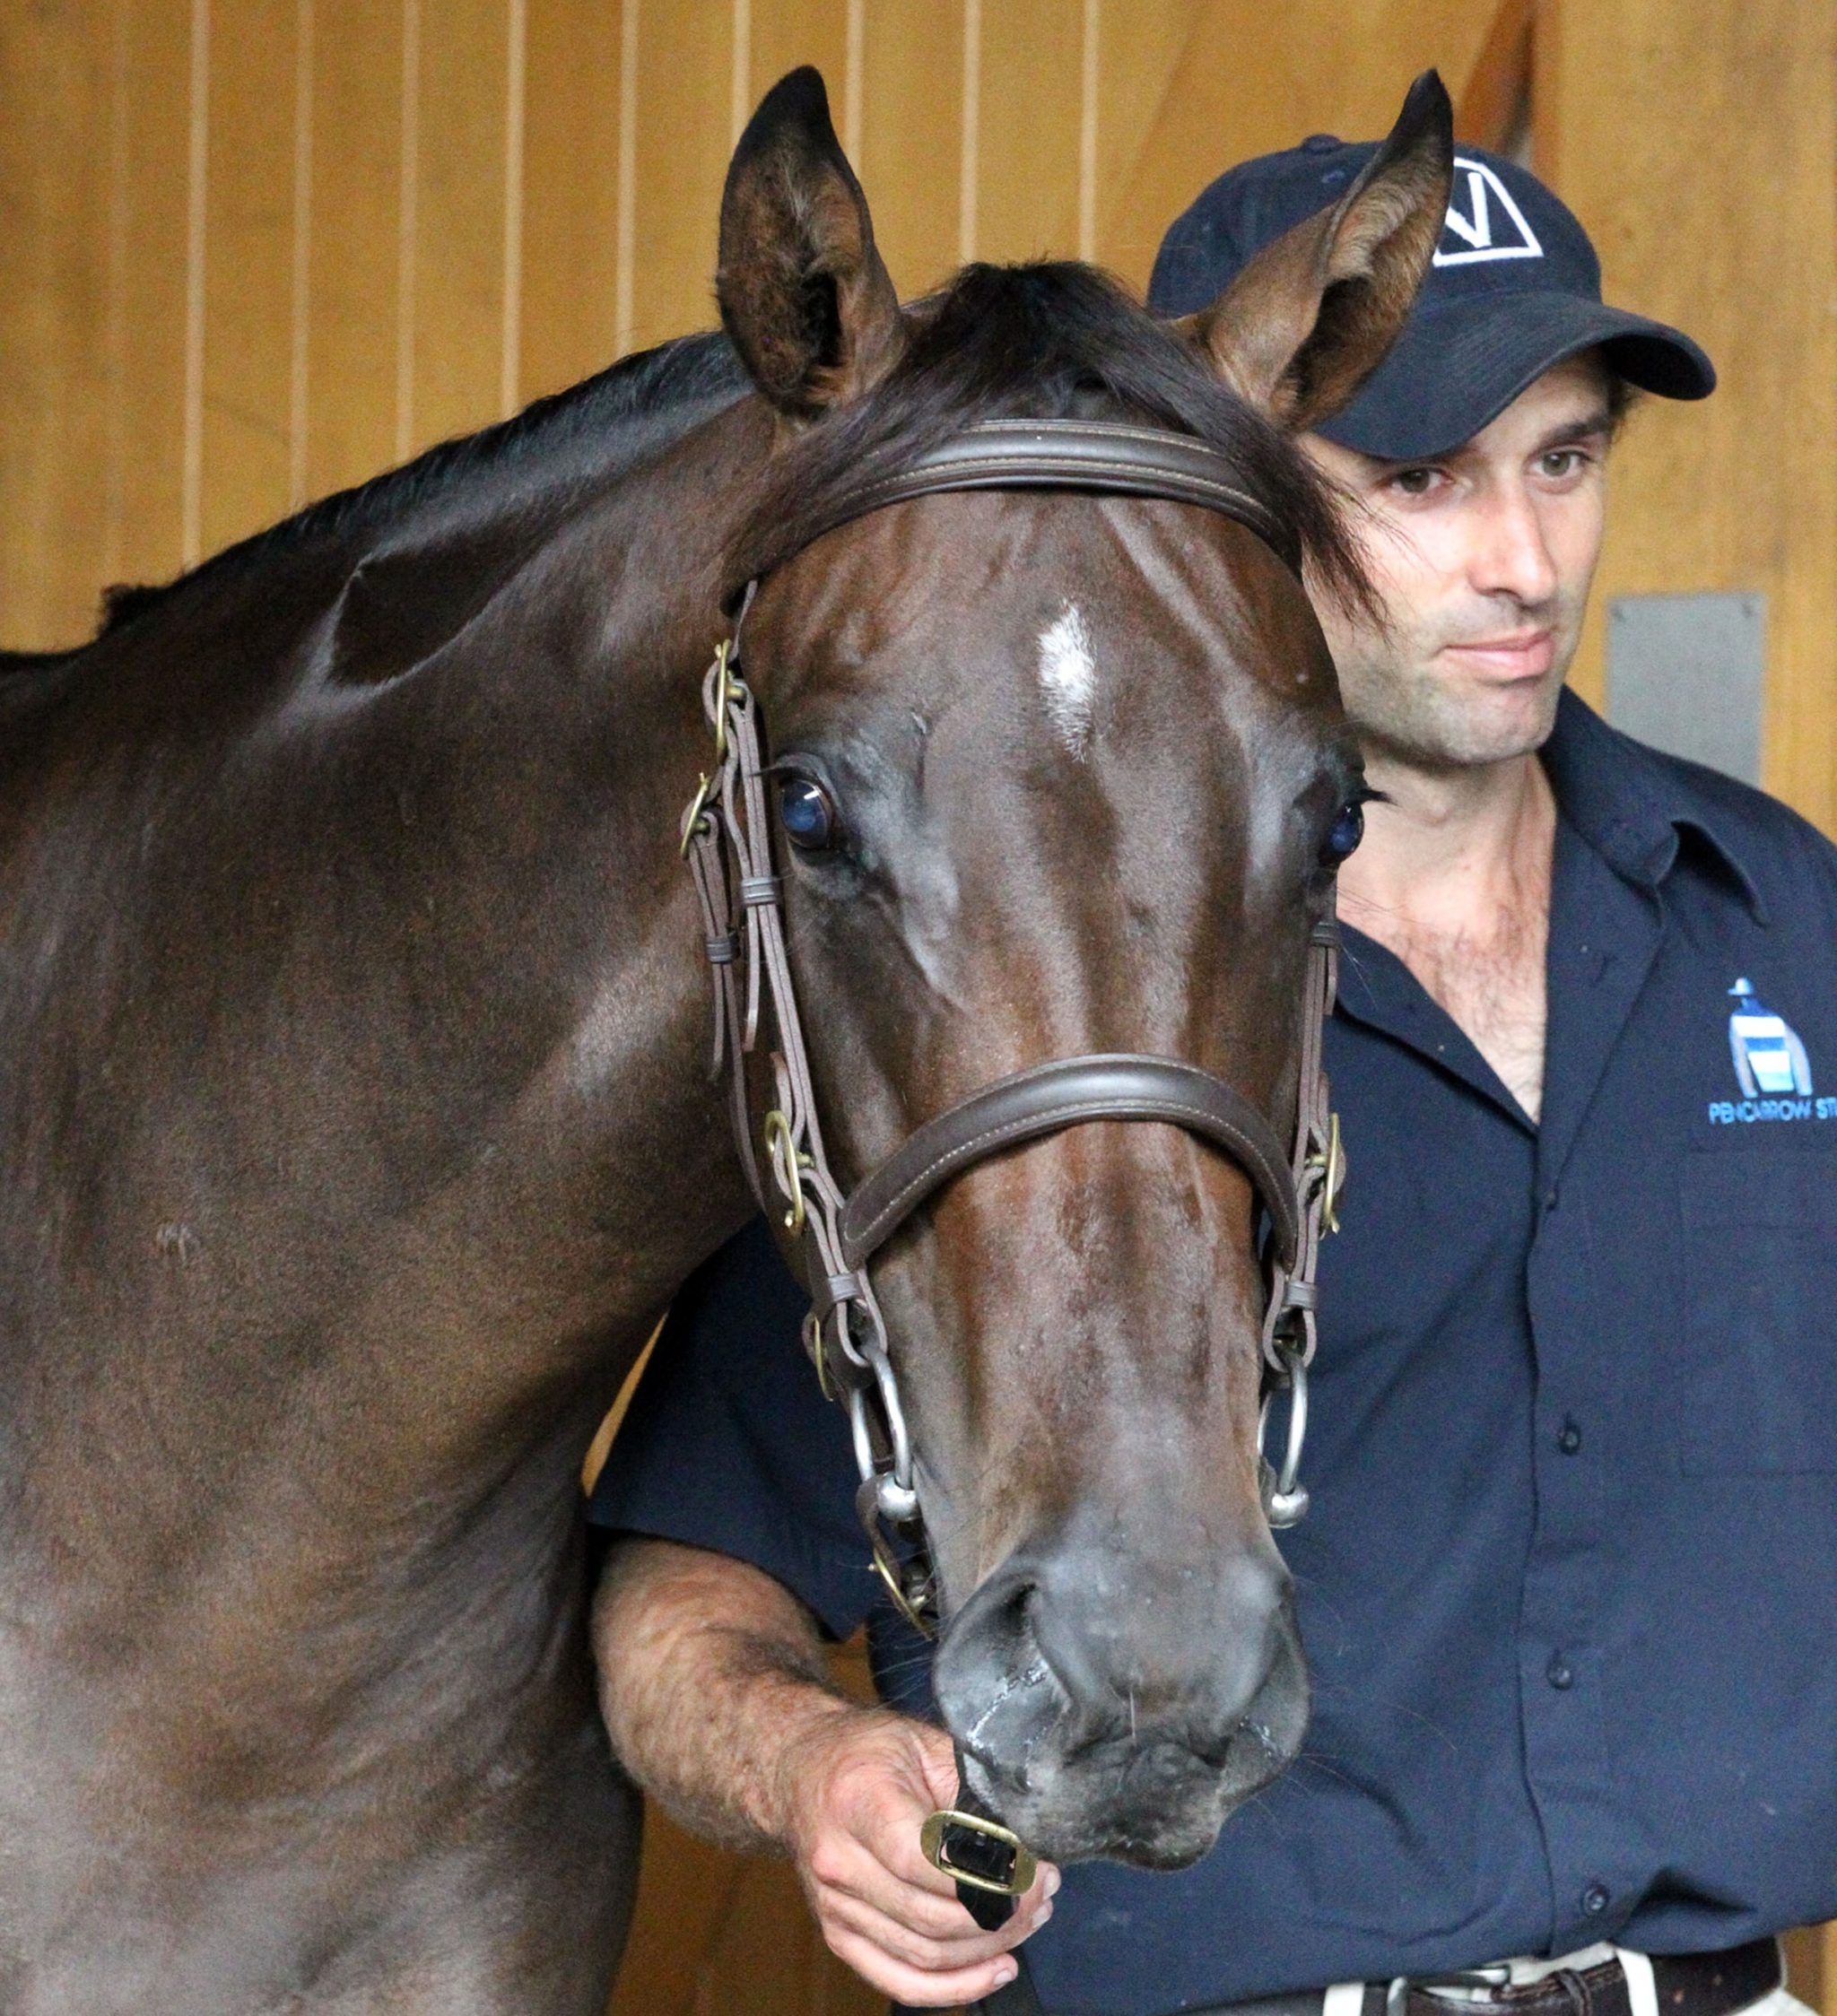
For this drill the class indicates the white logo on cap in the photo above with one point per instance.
(1483, 190)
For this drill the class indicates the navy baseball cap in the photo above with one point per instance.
(1515, 288)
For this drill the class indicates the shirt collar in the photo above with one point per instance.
(1635, 807)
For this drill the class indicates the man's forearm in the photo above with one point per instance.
(712, 1680)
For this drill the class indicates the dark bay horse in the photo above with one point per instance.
(358, 1122)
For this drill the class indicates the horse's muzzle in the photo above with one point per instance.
(1106, 1706)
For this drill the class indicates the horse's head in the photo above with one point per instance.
(1060, 773)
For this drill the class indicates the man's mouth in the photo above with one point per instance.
(1512, 655)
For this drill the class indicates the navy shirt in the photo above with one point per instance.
(1569, 1585)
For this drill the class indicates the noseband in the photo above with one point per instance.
(727, 839)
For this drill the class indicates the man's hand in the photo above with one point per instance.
(864, 1783)
(714, 1687)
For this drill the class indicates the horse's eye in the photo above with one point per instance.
(809, 817)
(1348, 831)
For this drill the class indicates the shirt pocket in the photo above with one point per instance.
(1758, 1397)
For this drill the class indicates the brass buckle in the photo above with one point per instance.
(936, 1839)
(729, 691)
(815, 1348)
(1332, 1166)
(698, 810)
(786, 1167)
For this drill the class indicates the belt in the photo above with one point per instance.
(1687, 1984)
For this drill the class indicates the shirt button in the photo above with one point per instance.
(1569, 1437)
(1595, 1899)
(1560, 1674)
(1322, 144)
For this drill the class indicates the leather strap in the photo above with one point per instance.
(1317, 1171)
(1108, 456)
(1028, 1104)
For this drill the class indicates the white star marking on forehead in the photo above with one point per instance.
(1068, 679)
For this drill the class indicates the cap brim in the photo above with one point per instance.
(1459, 364)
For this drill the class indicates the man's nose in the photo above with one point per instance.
(1513, 556)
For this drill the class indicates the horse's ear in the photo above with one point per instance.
(1312, 315)
(802, 293)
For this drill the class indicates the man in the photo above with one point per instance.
(1567, 1585)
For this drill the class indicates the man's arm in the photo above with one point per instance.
(715, 1688)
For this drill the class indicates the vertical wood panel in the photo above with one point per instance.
(352, 278)
(1739, 493)
(625, 292)
(516, 123)
(684, 106)
(911, 136)
(459, 217)
(788, 32)
(151, 410)
(1234, 89)
(1138, 56)
(1033, 81)
(55, 188)
(197, 163)
(299, 276)
(248, 359)
(571, 194)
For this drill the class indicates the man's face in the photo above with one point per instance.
(1482, 559)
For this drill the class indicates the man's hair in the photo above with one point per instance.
(1623, 396)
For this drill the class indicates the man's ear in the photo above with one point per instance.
(1311, 317)
(802, 293)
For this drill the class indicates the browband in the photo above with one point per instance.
(1106, 456)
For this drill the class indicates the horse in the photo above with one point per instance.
(360, 1125)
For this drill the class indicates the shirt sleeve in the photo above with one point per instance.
(729, 1444)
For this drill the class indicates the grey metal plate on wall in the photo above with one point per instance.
(1687, 673)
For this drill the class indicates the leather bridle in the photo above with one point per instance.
(727, 837)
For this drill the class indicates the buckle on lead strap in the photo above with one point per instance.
(981, 1852)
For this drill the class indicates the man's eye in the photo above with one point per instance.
(1414, 482)
(807, 814)
(1559, 463)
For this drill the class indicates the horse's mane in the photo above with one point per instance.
(1049, 340)
(618, 415)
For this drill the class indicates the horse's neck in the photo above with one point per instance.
(367, 1122)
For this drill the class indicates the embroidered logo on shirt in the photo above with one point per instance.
(1771, 1066)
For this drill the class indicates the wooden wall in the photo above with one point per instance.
(257, 249)
(1698, 140)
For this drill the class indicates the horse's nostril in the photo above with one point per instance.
(1079, 1660)
(1267, 1736)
